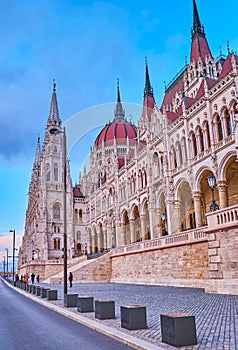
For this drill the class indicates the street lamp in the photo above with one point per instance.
(212, 183)
(4, 267)
(55, 131)
(164, 232)
(13, 263)
(7, 260)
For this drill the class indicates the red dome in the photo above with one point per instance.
(119, 130)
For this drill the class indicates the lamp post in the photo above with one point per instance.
(164, 232)
(56, 131)
(212, 182)
(13, 254)
(7, 259)
(4, 270)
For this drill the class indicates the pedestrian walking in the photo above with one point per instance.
(32, 278)
(70, 279)
(38, 278)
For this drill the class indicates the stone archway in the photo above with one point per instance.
(186, 207)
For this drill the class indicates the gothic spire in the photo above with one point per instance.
(200, 48)
(149, 101)
(54, 119)
(119, 113)
(38, 150)
(198, 28)
(148, 91)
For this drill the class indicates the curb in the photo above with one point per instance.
(115, 334)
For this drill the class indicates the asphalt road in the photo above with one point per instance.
(25, 325)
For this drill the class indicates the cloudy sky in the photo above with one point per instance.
(85, 46)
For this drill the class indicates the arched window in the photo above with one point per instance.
(56, 212)
(218, 126)
(194, 144)
(207, 134)
(57, 243)
(179, 154)
(78, 236)
(80, 214)
(47, 171)
(228, 124)
(156, 164)
(56, 172)
(200, 139)
(145, 178)
(173, 158)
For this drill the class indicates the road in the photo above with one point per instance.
(25, 325)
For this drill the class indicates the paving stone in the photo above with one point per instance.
(216, 315)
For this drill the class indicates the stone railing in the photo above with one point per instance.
(180, 238)
(223, 217)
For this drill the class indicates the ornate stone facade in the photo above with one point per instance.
(151, 181)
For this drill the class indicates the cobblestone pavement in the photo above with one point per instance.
(216, 315)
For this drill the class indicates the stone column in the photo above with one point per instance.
(176, 219)
(222, 191)
(105, 238)
(197, 208)
(93, 241)
(143, 226)
(132, 229)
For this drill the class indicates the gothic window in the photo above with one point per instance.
(173, 158)
(47, 168)
(200, 139)
(156, 164)
(218, 127)
(184, 149)
(228, 125)
(78, 236)
(56, 172)
(145, 178)
(80, 215)
(56, 212)
(207, 134)
(194, 144)
(57, 243)
(179, 154)
(55, 149)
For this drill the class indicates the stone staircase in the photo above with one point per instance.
(96, 270)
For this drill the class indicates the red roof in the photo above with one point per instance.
(118, 130)
(200, 49)
(77, 192)
(227, 68)
(169, 96)
(148, 106)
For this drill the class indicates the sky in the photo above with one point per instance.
(86, 46)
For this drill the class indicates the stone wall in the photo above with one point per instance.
(184, 265)
(223, 261)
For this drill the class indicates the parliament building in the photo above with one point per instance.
(158, 203)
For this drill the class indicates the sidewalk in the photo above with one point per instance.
(216, 315)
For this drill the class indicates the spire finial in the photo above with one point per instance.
(54, 85)
(119, 113)
(148, 91)
(228, 47)
(197, 26)
(118, 91)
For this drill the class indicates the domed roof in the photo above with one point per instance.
(119, 130)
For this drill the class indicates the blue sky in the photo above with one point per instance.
(85, 46)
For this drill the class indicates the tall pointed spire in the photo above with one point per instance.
(149, 101)
(200, 48)
(197, 26)
(148, 91)
(54, 119)
(119, 113)
(38, 150)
